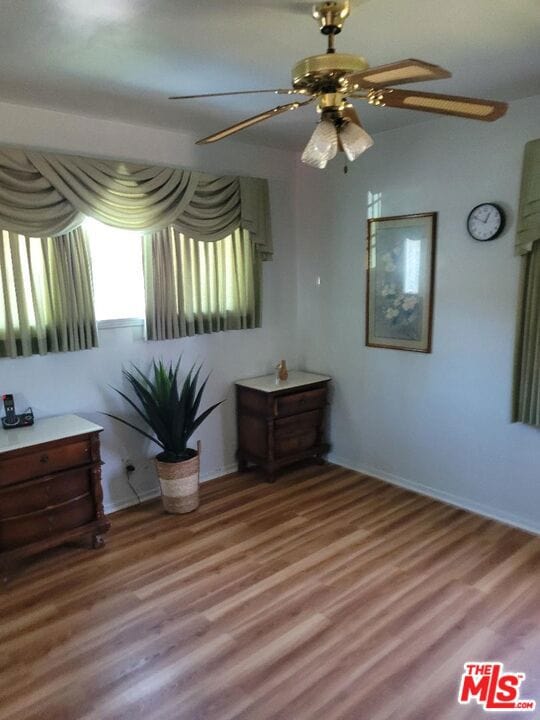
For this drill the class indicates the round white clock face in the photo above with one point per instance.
(485, 222)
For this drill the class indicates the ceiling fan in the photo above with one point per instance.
(332, 79)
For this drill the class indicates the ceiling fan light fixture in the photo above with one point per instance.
(354, 140)
(322, 145)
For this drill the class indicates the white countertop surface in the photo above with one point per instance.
(45, 430)
(267, 383)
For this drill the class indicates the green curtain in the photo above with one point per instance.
(526, 401)
(527, 381)
(46, 289)
(528, 220)
(207, 283)
(47, 194)
(195, 287)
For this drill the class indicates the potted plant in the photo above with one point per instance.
(170, 408)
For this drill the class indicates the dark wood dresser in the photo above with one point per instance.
(50, 487)
(280, 423)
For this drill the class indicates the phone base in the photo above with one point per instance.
(24, 420)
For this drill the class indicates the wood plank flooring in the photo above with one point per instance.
(327, 596)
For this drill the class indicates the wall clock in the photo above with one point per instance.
(486, 221)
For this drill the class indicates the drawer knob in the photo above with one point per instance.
(44, 459)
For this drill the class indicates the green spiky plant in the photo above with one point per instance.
(169, 410)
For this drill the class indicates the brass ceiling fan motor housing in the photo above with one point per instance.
(325, 73)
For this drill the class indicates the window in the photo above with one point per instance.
(192, 286)
(117, 269)
(52, 290)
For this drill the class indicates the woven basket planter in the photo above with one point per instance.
(180, 484)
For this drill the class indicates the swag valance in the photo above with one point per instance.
(528, 224)
(46, 194)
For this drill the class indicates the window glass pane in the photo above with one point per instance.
(117, 269)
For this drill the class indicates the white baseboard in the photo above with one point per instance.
(129, 500)
(446, 497)
(154, 492)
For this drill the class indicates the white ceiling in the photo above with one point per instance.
(122, 58)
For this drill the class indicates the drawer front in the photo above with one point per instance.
(40, 494)
(298, 424)
(38, 526)
(43, 462)
(300, 402)
(291, 445)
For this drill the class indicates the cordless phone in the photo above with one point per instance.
(11, 419)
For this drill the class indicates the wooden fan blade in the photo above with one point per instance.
(252, 121)
(279, 91)
(472, 108)
(397, 73)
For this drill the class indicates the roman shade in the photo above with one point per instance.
(46, 194)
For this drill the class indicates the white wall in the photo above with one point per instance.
(78, 382)
(439, 423)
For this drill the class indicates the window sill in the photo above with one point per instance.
(120, 323)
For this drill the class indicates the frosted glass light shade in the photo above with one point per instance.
(322, 146)
(354, 140)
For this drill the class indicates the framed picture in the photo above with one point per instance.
(400, 278)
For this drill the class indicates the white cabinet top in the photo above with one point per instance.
(268, 383)
(45, 430)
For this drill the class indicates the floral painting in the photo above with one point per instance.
(400, 281)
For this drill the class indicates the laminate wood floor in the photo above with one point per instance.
(327, 596)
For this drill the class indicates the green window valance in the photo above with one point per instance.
(48, 194)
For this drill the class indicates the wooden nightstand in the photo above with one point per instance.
(50, 487)
(281, 423)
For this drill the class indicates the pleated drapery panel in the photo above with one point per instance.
(527, 381)
(526, 395)
(46, 194)
(46, 289)
(528, 220)
(193, 287)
